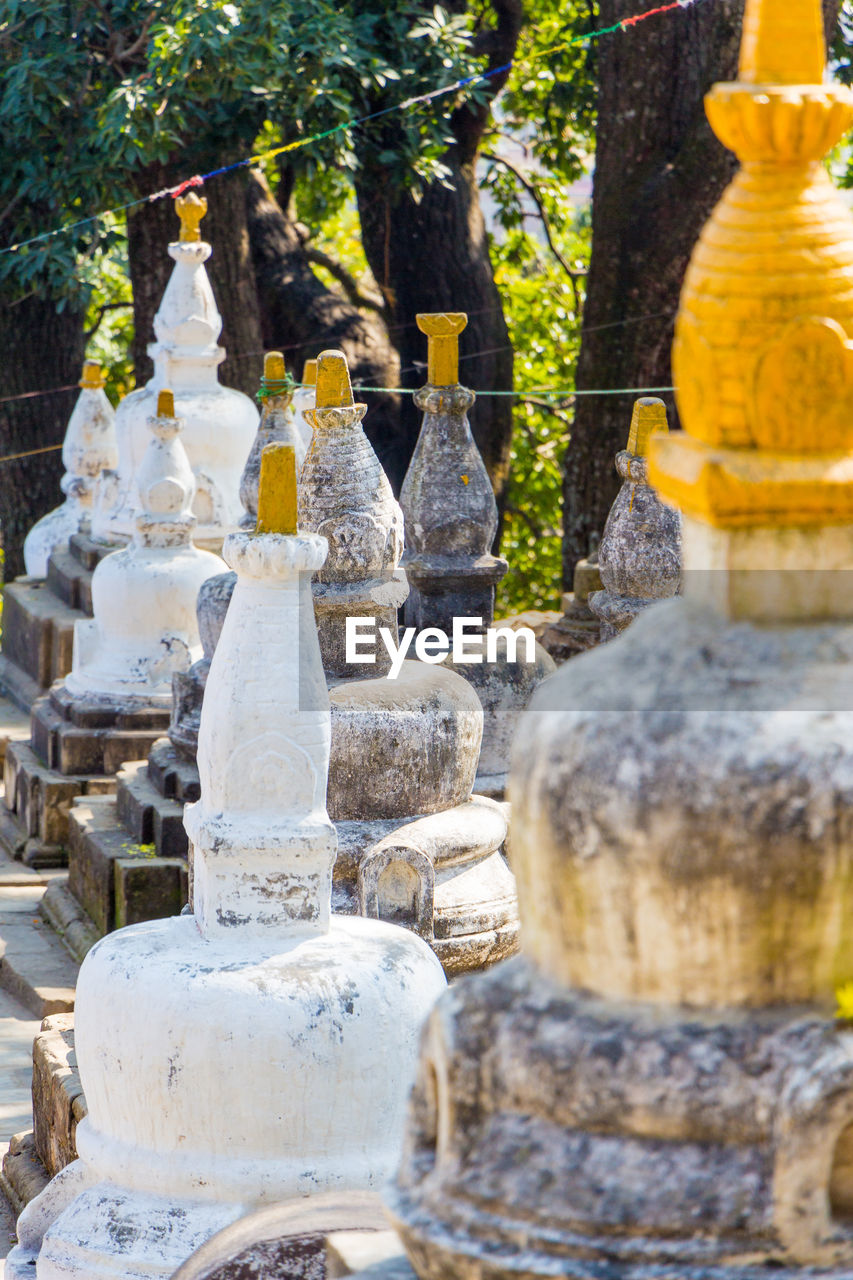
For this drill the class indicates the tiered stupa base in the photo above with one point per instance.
(39, 616)
(578, 629)
(659, 1144)
(77, 746)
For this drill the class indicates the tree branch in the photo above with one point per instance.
(530, 188)
(102, 310)
(347, 282)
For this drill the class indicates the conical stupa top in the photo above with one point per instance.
(191, 209)
(277, 490)
(334, 389)
(763, 352)
(442, 330)
(782, 42)
(649, 415)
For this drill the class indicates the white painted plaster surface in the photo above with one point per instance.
(220, 422)
(89, 447)
(259, 1049)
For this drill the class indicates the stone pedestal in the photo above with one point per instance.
(89, 447)
(640, 553)
(451, 520)
(261, 984)
(39, 616)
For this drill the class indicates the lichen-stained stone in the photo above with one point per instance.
(89, 447)
(660, 1086)
(640, 553)
(220, 422)
(259, 1049)
(451, 519)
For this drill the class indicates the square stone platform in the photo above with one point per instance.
(77, 747)
(39, 616)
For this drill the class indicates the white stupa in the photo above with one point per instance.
(89, 447)
(144, 627)
(220, 422)
(260, 1049)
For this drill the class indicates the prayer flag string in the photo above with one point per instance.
(198, 179)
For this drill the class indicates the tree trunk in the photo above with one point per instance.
(434, 256)
(659, 172)
(42, 348)
(152, 227)
(302, 317)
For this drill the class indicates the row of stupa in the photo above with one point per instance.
(657, 1086)
(112, 756)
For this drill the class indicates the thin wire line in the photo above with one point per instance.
(198, 179)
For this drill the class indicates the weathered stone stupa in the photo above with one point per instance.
(278, 424)
(220, 422)
(659, 1087)
(451, 519)
(116, 700)
(640, 553)
(89, 447)
(261, 1048)
(415, 845)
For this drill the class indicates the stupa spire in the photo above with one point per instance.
(191, 209)
(442, 331)
(782, 42)
(763, 358)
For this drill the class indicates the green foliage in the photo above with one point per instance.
(109, 320)
(93, 94)
(544, 323)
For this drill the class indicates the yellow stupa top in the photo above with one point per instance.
(649, 415)
(191, 209)
(165, 404)
(274, 370)
(309, 373)
(782, 43)
(277, 490)
(334, 389)
(442, 330)
(762, 358)
(93, 378)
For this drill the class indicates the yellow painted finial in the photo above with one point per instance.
(191, 209)
(165, 404)
(649, 415)
(274, 370)
(783, 42)
(442, 330)
(763, 352)
(334, 390)
(277, 490)
(309, 373)
(92, 379)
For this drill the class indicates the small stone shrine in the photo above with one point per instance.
(640, 553)
(415, 845)
(451, 519)
(220, 422)
(89, 447)
(659, 1086)
(259, 1049)
(278, 424)
(115, 702)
